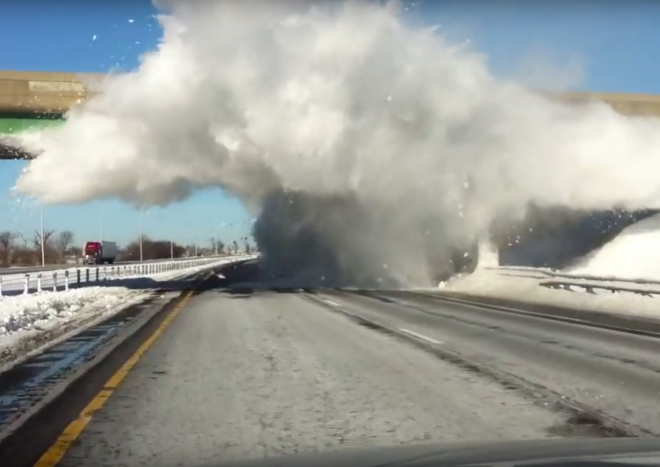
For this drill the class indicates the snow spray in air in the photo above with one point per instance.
(370, 150)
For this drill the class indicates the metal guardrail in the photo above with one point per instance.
(584, 282)
(52, 267)
(569, 275)
(591, 288)
(67, 278)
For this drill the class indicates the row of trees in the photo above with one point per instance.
(60, 247)
(152, 249)
(219, 247)
(17, 249)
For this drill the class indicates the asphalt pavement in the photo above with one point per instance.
(267, 373)
(247, 374)
(615, 373)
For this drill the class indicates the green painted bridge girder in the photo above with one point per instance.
(11, 125)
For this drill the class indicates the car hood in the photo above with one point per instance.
(565, 452)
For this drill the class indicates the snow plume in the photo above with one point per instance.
(372, 151)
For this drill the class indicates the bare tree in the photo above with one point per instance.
(6, 246)
(63, 243)
(36, 240)
(23, 240)
(23, 254)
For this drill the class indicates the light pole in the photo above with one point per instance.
(171, 249)
(43, 247)
(141, 221)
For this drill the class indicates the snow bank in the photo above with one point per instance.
(26, 314)
(525, 285)
(30, 322)
(633, 254)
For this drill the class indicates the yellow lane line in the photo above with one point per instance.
(55, 453)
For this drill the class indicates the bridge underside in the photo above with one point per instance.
(12, 153)
(12, 123)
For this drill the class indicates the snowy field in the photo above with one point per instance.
(621, 277)
(33, 320)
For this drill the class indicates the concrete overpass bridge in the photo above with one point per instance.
(32, 100)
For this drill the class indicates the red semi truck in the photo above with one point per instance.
(100, 252)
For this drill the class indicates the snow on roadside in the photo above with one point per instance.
(30, 322)
(24, 316)
(527, 288)
(633, 254)
(43, 311)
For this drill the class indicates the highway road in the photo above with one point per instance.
(249, 373)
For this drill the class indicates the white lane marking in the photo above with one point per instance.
(330, 302)
(421, 336)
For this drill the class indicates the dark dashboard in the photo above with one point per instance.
(615, 452)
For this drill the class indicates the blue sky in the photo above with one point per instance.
(615, 43)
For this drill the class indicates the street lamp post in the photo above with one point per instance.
(141, 221)
(43, 247)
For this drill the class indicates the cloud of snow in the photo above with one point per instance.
(369, 149)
